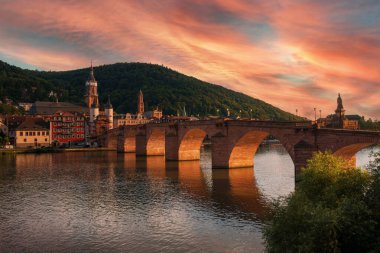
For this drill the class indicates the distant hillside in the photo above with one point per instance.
(23, 85)
(162, 87)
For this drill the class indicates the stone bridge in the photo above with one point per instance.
(235, 142)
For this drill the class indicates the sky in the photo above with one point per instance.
(294, 54)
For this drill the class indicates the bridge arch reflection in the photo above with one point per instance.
(232, 190)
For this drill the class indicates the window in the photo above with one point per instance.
(43, 133)
(35, 140)
(21, 133)
(24, 140)
(46, 139)
(38, 133)
(34, 133)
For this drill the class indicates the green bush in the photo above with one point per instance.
(335, 208)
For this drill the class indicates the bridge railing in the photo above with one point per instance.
(350, 131)
(267, 123)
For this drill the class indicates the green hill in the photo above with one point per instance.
(162, 87)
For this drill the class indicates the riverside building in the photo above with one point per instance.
(67, 128)
(33, 132)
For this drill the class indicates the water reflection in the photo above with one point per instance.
(119, 202)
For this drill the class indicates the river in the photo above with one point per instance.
(109, 202)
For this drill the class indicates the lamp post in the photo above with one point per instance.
(228, 112)
(217, 112)
(250, 113)
(320, 114)
(297, 112)
(315, 114)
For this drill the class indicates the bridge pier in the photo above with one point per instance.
(220, 152)
(188, 152)
(236, 150)
(171, 147)
(126, 141)
(141, 143)
(150, 145)
(303, 151)
(111, 142)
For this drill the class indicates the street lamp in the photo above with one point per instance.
(320, 114)
(250, 114)
(297, 112)
(228, 112)
(315, 114)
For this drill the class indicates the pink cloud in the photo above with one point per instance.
(308, 51)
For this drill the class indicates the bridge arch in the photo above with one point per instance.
(348, 152)
(190, 144)
(245, 146)
(156, 142)
(243, 151)
(127, 141)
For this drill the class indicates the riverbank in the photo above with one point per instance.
(52, 150)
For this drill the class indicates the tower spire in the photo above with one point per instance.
(91, 89)
(91, 78)
(140, 103)
(109, 105)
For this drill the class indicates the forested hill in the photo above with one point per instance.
(161, 86)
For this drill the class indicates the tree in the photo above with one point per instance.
(335, 208)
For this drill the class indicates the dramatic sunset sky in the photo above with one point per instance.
(292, 54)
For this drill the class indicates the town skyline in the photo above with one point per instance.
(303, 53)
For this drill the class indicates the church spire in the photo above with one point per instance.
(140, 103)
(91, 89)
(109, 105)
(91, 78)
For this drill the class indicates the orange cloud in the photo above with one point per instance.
(293, 54)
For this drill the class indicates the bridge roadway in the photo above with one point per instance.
(235, 142)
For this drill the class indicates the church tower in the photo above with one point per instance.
(91, 90)
(140, 104)
(108, 110)
(339, 112)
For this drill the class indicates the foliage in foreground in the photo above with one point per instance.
(335, 208)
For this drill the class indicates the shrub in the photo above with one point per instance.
(335, 208)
